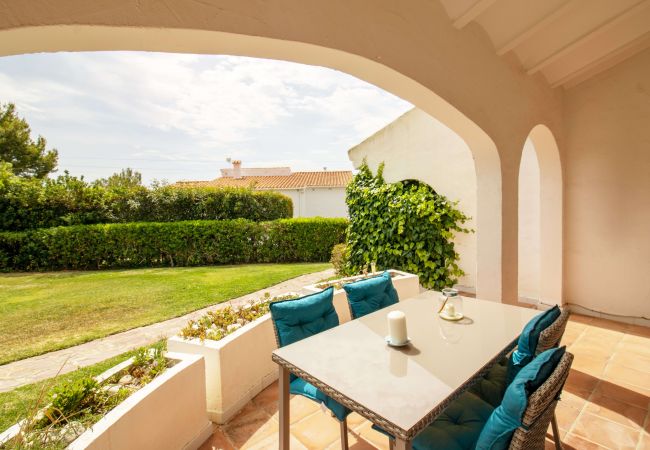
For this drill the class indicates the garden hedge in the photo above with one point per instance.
(153, 244)
(27, 203)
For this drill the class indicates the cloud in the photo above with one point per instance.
(215, 105)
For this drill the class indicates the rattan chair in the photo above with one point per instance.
(552, 335)
(541, 409)
(550, 338)
(343, 423)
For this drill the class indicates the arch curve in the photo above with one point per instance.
(550, 214)
(53, 38)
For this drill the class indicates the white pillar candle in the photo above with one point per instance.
(450, 310)
(397, 327)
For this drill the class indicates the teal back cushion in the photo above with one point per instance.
(370, 295)
(528, 341)
(303, 317)
(505, 419)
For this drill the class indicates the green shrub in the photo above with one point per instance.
(339, 260)
(43, 203)
(154, 244)
(404, 225)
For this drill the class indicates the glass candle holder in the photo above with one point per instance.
(451, 303)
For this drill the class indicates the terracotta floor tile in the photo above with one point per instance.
(634, 395)
(632, 360)
(250, 426)
(317, 431)
(580, 383)
(566, 415)
(592, 348)
(639, 330)
(355, 421)
(549, 434)
(355, 442)
(617, 411)
(611, 337)
(627, 375)
(375, 438)
(645, 442)
(634, 338)
(609, 324)
(580, 319)
(634, 347)
(594, 366)
(572, 400)
(218, 441)
(268, 398)
(605, 432)
(271, 443)
(571, 335)
(300, 408)
(573, 442)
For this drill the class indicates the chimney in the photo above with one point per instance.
(236, 169)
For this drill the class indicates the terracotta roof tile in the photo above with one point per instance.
(296, 180)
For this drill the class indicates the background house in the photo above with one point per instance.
(314, 194)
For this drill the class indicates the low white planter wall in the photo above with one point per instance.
(168, 413)
(406, 284)
(238, 367)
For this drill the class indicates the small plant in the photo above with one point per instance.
(215, 325)
(74, 407)
(339, 260)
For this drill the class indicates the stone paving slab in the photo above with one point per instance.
(45, 366)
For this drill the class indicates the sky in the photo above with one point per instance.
(178, 117)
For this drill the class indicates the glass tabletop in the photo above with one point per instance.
(403, 385)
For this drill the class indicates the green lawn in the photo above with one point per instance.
(21, 402)
(40, 313)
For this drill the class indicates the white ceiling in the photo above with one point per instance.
(568, 41)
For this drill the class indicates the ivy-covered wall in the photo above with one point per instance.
(404, 225)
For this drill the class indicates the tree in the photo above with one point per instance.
(27, 157)
(126, 179)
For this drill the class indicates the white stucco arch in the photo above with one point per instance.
(53, 38)
(550, 215)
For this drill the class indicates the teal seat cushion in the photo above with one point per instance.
(301, 387)
(297, 319)
(493, 385)
(457, 428)
(505, 419)
(370, 295)
(528, 340)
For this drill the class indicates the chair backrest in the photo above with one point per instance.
(370, 295)
(541, 407)
(298, 318)
(552, 335)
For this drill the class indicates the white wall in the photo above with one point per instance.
(417, 146)
(607, 190)
(529, 225)
(317, 202)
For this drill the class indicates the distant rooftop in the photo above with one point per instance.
(273, 178)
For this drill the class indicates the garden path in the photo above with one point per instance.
(45, 366)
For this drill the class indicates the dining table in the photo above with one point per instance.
(401, 389)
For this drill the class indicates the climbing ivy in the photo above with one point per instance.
(404, 225)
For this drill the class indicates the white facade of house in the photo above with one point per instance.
(317, 201)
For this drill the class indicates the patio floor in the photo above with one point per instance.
(606, 401)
